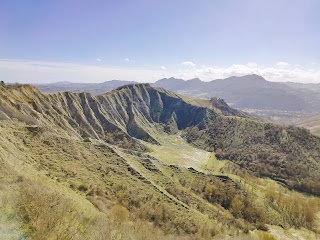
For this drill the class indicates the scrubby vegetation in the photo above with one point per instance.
(289, 155)
(296, 210)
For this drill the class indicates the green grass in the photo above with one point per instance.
(176, 151)
(214, 165)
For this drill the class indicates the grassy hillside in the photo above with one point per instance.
(289, 155)
(114, 166)
(91, 181)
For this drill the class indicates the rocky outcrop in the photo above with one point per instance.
(131, 110)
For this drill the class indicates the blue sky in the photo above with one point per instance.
(143, 40)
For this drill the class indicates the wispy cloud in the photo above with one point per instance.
(127, 60)
(98, 59)
(25, 71)
(271, 73)
(188, 64)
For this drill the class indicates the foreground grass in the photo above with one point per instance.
(68, 189)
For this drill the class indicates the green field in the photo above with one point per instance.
(176, 151)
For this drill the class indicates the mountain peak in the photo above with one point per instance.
(256, 77)
(249, 78)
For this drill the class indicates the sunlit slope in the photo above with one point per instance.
(175, 150)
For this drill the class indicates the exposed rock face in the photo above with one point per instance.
(132, 110)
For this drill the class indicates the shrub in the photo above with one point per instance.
(45, 213)
(120, 213)
(237, 206)
(295, 209)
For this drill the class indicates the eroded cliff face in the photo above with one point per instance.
(133, 110)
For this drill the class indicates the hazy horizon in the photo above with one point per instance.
(128, 80)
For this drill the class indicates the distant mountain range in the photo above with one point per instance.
(247, 92)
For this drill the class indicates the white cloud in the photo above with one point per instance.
(163, 68)
(127, 60)
(188, 64)
(98, 59)
(29, 71)
(276, 73)
(271, 73)
(283, 64)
